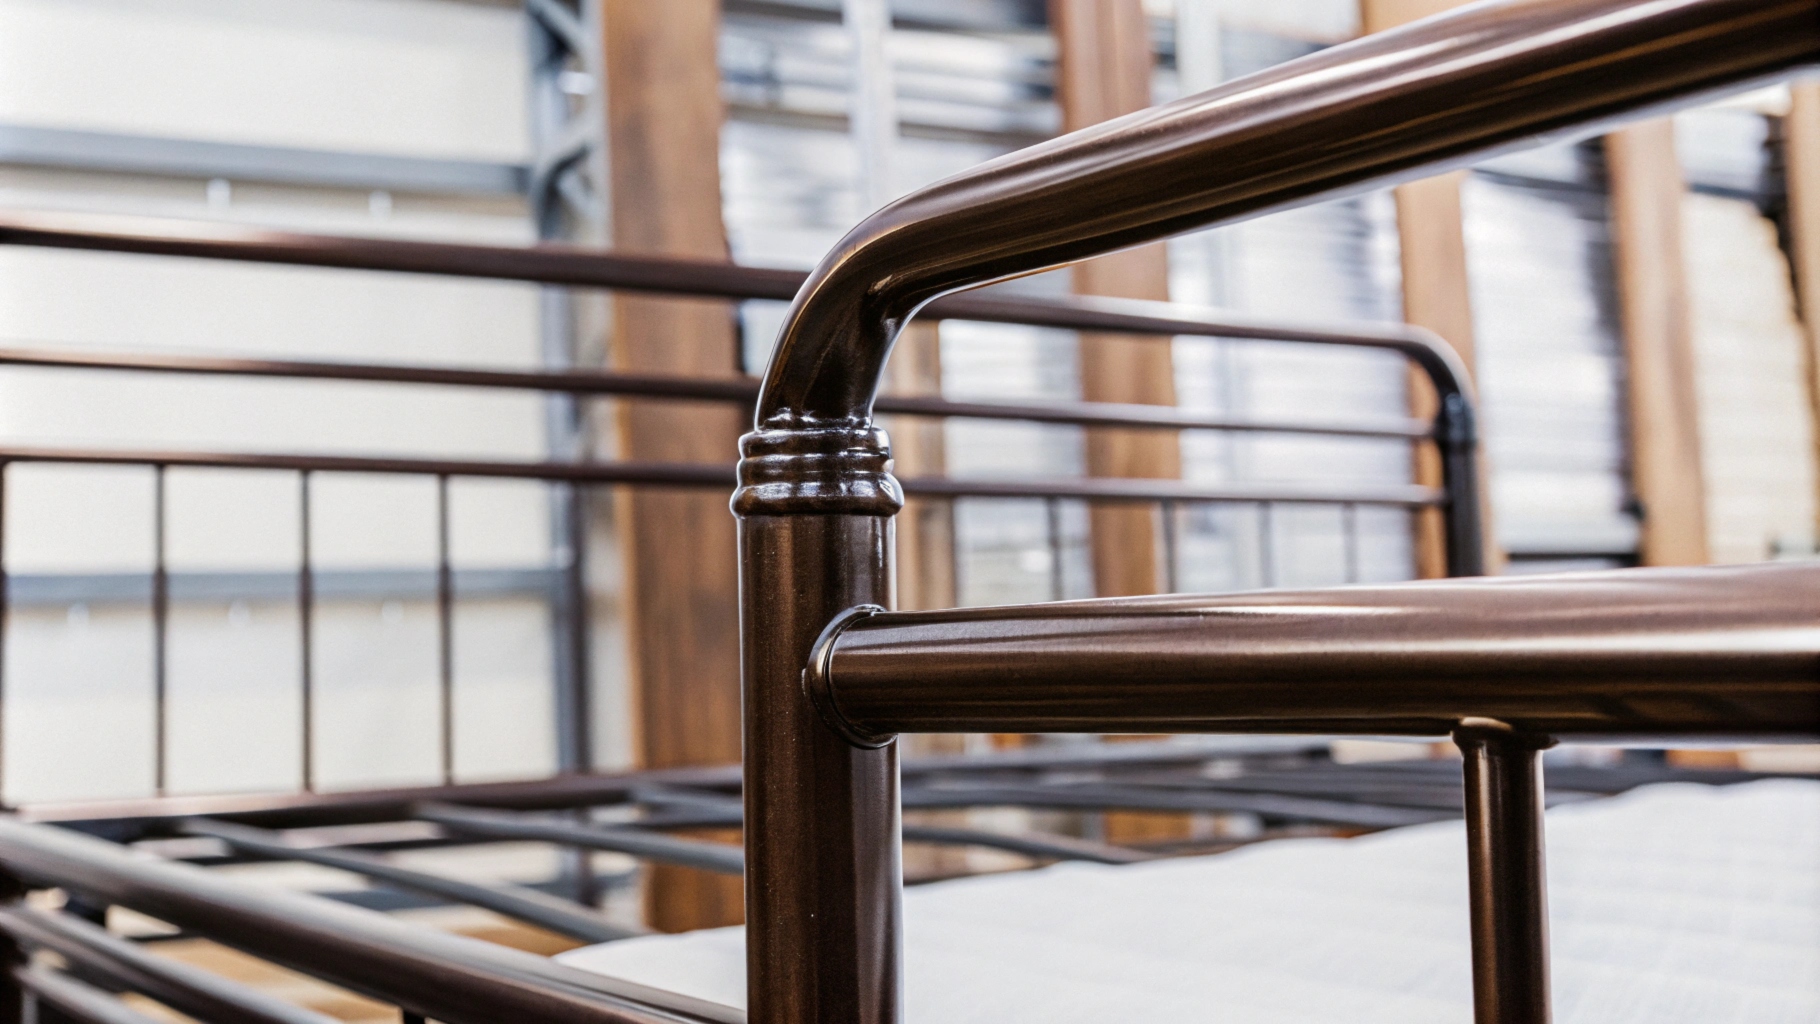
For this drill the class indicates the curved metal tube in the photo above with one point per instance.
(1392, 104)
(816, 491)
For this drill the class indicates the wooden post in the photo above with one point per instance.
(1436, 292)
(1103, 72)
(925, 554)
(664, 117)
(1801, 142)
(925, 529)
(1646, 196)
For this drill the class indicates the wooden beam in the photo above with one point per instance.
(1378, 15)
(925, 529)
(1801, 150)
(1646, 196)
(925, 559)
(1103, 71)
(664, 116)
(1436, 292)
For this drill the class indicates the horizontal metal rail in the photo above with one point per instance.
(440, 976)
(581, 267)
(1092, 797)
(99, 953)
(162, 816)
(63, 589)
(741, 391)
(303, 810)
(563, 917)
(1628, 654)
(1042, 847)
(74, 1000)
(724, 859)
(692, 853)
(678, 474)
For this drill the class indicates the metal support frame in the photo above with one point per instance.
(1507, 883)
(816, 494)
(564, 203)
(66, 149)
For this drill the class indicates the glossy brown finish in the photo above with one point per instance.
(1507, 882)
(823, 868)
(1436, 91)
(1398, 102)
(442, 976)
(1631, 654)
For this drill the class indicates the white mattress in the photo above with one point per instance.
(1670, 904)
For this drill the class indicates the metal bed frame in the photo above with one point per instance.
(1504, 667)
(1452, 430)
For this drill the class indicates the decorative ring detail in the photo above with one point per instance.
(820, 688)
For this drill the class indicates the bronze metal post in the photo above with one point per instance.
(1509, 891)
(823, 870)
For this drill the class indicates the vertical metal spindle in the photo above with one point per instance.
(14, 1007)
(161, 621)
(576, 708)
(577, 697)
(306, 615)
(1267, 555)
(5, 622)
(1504, 843)
(1058, 581)
(1349, 540)
(1170, 553)
(445, 631)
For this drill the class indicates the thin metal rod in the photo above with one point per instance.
(5, 627)
(671, 474)
(445, 633)
(577, 700)
(1052, 516)
(693, 853)
(117, 961)
(1508, 884)
(737, 391)
(1267, 545)
(528, 905)
(1349, 540)
(306, 620)
(446, 977)
(1171, 554)
(74, 1000)
(569, 265)
(161, 615)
